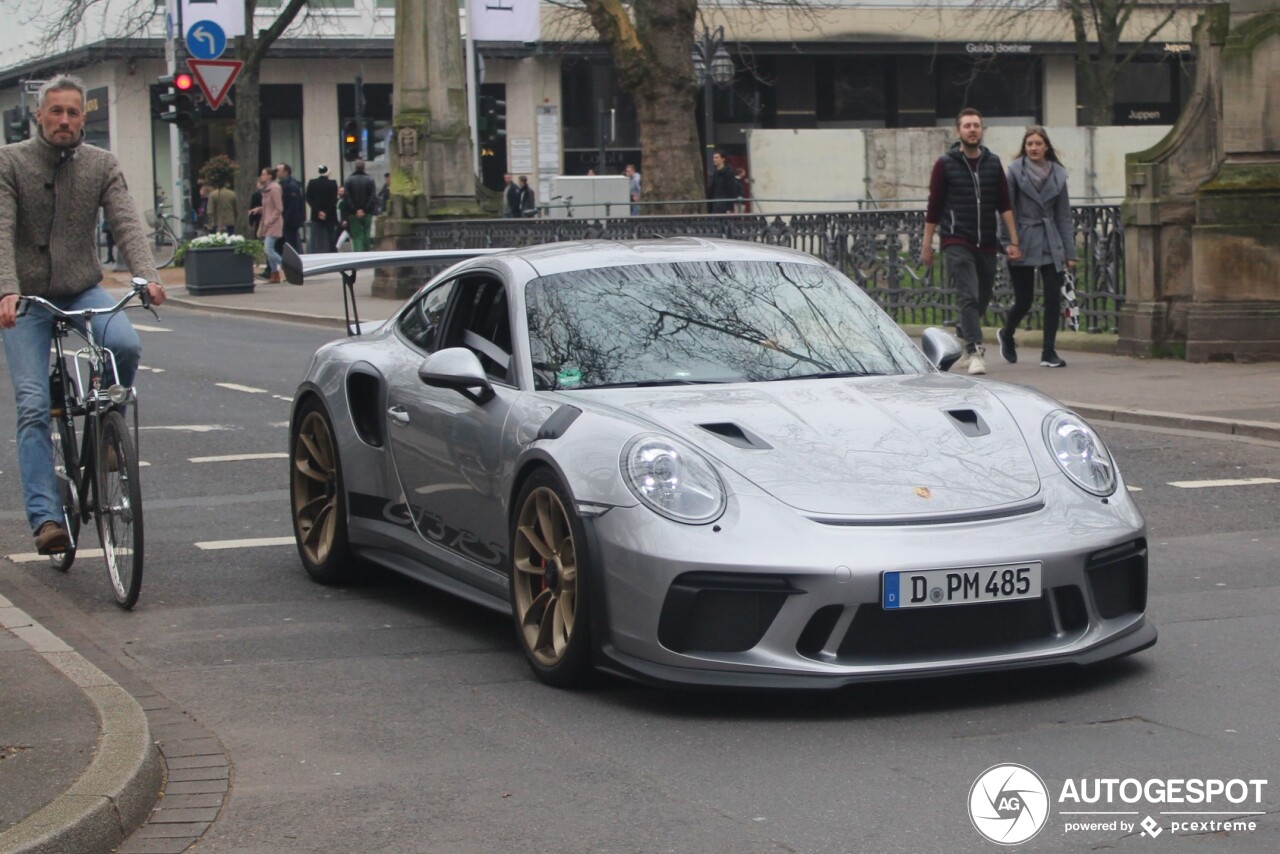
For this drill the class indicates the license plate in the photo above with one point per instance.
(932, 587)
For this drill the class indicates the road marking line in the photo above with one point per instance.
(245, 388)
(277, 423)
(32, 557)
(217, 545)
(152, 370)
(282, 397)
(1134, 488)
(142, 328)
(1201, 484)
(230, 458)
(189, 428)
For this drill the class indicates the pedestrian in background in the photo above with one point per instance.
(295, 211)
(1042, 210)
(384, 195)
(723, 189)
(525, 203)
(360, 195)
(222, 210)
(255, 205)
(510, 197)
(271, 228)
(967, 189)
(322, 196)
(633, 186)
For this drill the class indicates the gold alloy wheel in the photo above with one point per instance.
(546, 576)
(315, 488)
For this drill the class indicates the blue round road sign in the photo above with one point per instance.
(206, 40)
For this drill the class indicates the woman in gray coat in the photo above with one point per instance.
(1042, 209)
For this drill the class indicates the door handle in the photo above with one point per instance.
(399, 415)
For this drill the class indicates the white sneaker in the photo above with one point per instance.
(977, 362)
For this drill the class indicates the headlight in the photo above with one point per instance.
(673, 479)
(1080, 452)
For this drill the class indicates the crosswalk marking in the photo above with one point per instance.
(1242, 481)
(189, 428)
(32, 557)
(230, 458)
(218, 545)
(248, 389)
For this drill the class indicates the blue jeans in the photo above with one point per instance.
(272, 246)
(26, 349)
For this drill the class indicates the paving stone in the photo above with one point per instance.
(178, 802)
(154, 831)
(186, 775)
(191, 747)
(176, 762)
(174, 845)
(194, 787)
(165, 815)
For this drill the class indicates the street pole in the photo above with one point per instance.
(179, 150)
(473, 92)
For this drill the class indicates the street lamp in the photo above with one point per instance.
(712, 66)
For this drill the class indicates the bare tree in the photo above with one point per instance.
(650, 43)
(251, 48)
(1100, 28)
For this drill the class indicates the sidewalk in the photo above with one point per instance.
(78, 767)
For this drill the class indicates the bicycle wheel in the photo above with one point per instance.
(67, 469)
(163, 245)
(119, 508)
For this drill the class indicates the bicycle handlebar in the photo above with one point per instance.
(139, 290)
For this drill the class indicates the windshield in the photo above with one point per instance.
(736, 321)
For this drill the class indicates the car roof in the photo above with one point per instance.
(551, 258)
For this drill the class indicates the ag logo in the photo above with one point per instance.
(1008, 804)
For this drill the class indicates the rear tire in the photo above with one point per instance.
(119, 510)
(163, 246)
(67, 470)
(318, 499)
(550, 571)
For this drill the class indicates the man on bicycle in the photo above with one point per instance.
(51, 187)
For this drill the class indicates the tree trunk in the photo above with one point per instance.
(653, 60)
(246, 136)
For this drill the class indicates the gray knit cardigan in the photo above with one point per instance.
(49, 198)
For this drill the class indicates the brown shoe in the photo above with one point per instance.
(276, 278)
(52, 539)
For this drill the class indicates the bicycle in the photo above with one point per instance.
(100, 477)
(164, 240)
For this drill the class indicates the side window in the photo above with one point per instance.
(421, 323)
(482, 325)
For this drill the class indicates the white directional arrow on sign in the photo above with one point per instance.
(215, 77)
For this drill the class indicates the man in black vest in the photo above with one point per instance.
(966, 191)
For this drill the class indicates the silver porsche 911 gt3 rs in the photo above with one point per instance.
(709, 462)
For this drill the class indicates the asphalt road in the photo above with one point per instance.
(388, 717)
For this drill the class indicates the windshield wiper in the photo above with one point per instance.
(828, 375)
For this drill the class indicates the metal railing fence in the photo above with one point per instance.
(878, 249)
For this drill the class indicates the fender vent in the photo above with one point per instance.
(737, 436)
(969, 422)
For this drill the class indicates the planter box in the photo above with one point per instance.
(218, 271)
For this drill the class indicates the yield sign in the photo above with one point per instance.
(215, 77)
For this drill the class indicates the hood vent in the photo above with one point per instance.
(737, 436)
(969, 422)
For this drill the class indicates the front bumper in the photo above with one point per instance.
(767, 597)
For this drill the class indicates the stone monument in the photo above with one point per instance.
(1202, 215)
(432, 175)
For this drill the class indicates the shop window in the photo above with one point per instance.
(1002, 87)
(852, 92)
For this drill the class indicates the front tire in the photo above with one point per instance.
(67, 470)
(119, 509)
(318, 500)
(550, 602)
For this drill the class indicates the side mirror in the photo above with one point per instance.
(941, 348)
(455, 368)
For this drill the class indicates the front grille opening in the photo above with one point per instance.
(818, 630)
(951, 631)
(1118, 579)
(710, 612)
(1072, 615)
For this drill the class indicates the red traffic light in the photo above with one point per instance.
(183, 82)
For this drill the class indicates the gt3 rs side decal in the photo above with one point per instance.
(432, 527)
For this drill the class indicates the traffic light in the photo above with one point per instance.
(16, 126)
(351, 140)
(491, 119)
(375, 132)
(179, 101)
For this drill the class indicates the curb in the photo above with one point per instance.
(1266, 431)
(117, 791)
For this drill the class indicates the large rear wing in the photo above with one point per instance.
(298, 267)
